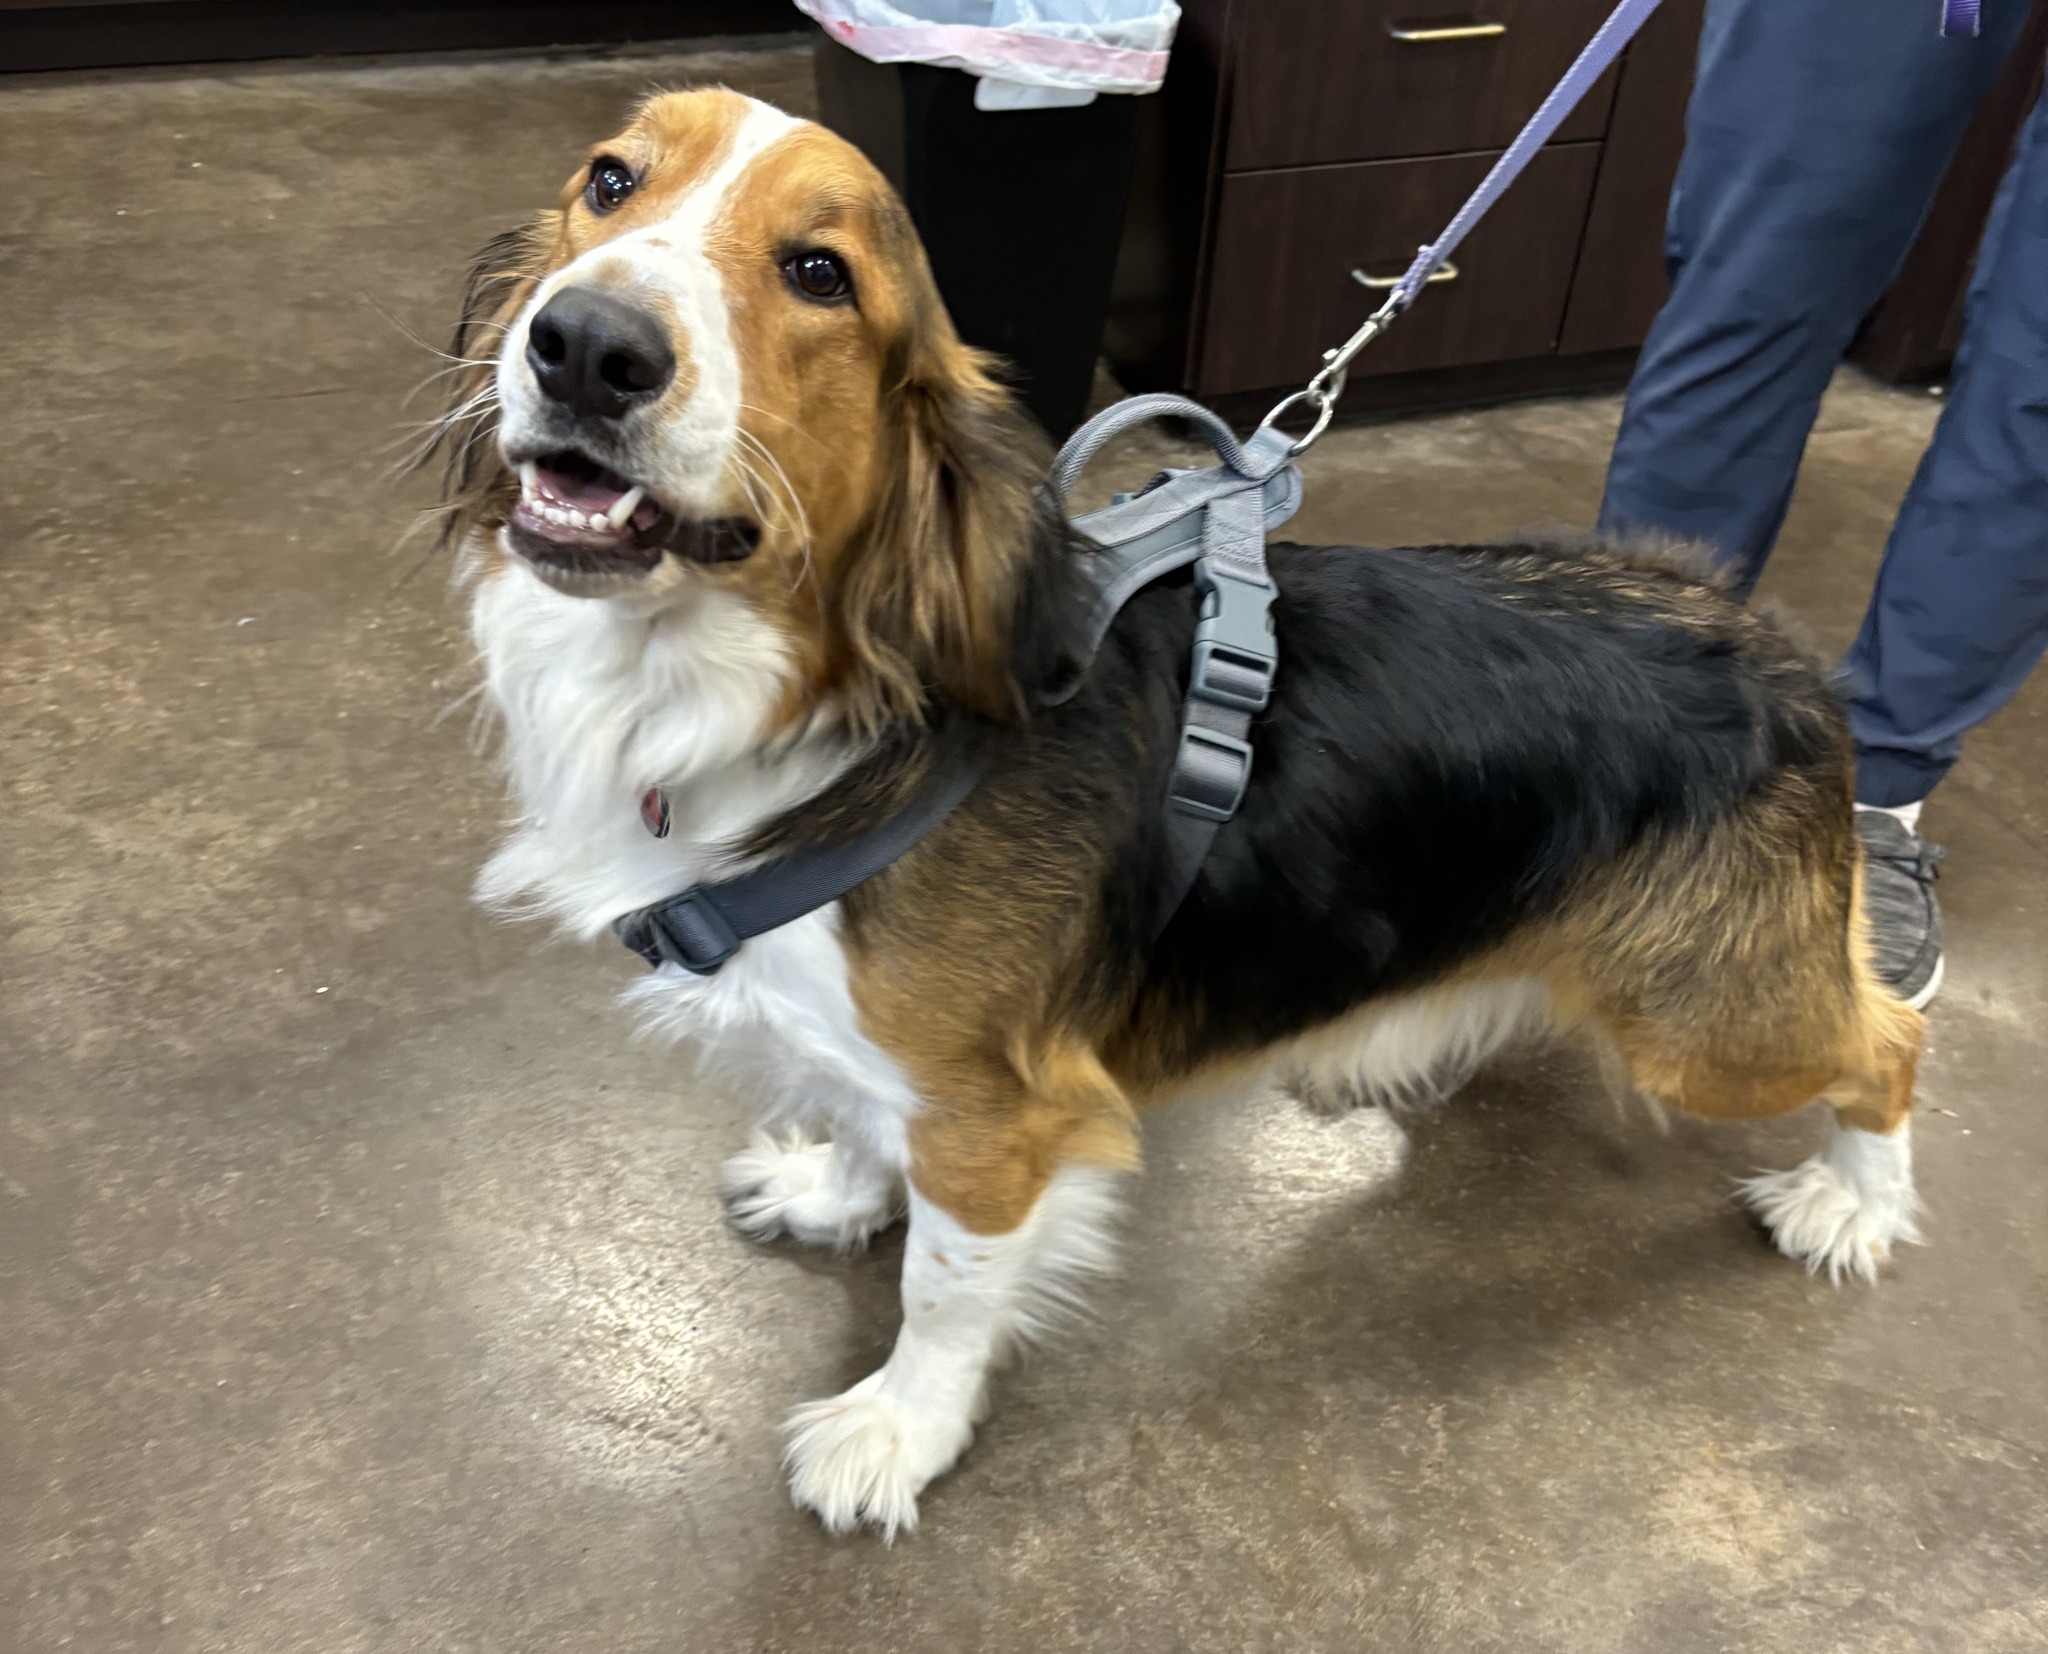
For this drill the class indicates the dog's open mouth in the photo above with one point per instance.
(575, 516)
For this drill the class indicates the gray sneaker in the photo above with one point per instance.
(1899, 870)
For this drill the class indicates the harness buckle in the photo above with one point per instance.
(686, 930)
(1210, 773)
(1235, 659)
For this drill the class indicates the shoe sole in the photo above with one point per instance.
(1921, 1000)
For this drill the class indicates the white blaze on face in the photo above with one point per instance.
(682, 452)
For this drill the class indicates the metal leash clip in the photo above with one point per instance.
(1322, 392)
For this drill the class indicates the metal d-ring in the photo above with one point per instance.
(1323, 390)
(1325, 405)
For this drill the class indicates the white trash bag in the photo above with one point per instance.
(1029, 54)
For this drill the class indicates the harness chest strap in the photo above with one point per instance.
(1217, 519)
(703, 927)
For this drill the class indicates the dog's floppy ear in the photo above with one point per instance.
(930, 601)
(475, 486)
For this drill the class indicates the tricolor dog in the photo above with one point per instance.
(751, 535)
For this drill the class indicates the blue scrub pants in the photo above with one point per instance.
(1817, 133)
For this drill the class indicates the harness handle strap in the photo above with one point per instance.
(1253, 460)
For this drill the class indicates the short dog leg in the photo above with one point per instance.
(864, 1455)
(833, 1194)
(1844, 1209)
(1847, 1207)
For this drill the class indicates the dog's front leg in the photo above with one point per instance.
(836, 1193)
(864, 1455)
(1010, 1208)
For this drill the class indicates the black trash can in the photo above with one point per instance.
(1021, 211)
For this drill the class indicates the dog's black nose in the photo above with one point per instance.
(598, 355)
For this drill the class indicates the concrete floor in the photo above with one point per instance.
(363, 1286)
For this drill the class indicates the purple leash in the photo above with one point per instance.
(1959, 18)
(1587, 67)
(1606, 45)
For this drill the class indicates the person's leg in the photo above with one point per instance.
(1816, 135)
(1960, 612)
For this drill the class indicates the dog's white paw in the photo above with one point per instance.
(863, 1457)
(791, 1186)
(1843, 1210)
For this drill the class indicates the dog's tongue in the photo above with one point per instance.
(587, 494)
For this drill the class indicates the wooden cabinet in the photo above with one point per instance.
(1367, 80)
(1304, 148)
(1303, 254)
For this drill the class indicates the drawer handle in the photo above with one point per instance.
(1446, 31)
(1385, 284)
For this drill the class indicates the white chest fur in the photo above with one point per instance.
(600, 701)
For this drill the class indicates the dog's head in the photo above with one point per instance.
(721, 362)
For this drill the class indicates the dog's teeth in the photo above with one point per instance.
(529, 478)
(625, 505)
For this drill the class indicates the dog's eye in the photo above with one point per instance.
(610, 183)
(818, 275)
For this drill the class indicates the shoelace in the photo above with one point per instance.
(1923, 864)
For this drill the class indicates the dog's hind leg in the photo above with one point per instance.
(1844, 1209)
(1011, 1196)
(1733, 974)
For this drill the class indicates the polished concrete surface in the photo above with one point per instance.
(362, 1282)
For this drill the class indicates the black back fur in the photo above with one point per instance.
(1456, 734)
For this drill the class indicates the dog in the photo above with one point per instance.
(743, 522)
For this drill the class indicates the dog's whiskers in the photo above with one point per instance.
(799, 519)
(785, 491)
(412, 335)
(753, 485)
(457, 364)
(780, 419)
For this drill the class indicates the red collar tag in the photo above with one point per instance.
(654, 811)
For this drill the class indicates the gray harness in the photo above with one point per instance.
(1216, 519)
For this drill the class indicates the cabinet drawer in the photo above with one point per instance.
(1281, 290)
(1333, 80)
